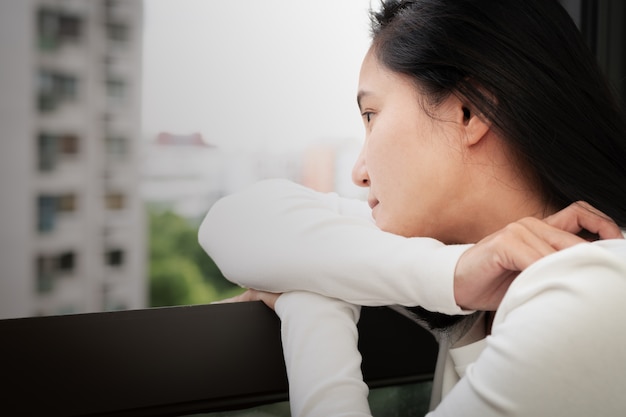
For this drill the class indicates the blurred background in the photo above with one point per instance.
(123, 121)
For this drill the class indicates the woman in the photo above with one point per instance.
(481, 117)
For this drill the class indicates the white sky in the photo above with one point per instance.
(249, 74)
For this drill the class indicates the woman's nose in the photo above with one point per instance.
(359, 172)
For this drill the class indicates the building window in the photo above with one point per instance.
(51, 148)
(114, 257)
(52, 267)
(116, 89)
(65, 86)
(115, 201)
(47, 213)
(66, 203)
(66, 262)
(47, 28)
(69, 28)
(115, 305)
(50, 207)
(55, 88)
(47, 152)
(68, 144)
(117, 32)
(45, 274)
(56, 28)
(117, 146)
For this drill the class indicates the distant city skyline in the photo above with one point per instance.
(274, 75)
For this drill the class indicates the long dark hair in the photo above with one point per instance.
(526, 68)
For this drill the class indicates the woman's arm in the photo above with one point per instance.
(557, 346)
(279, 236)
(320, 330)
(323, 363)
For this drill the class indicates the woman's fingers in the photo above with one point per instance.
(485, 271)
(581, 216)
(547, 238)
(268, 298)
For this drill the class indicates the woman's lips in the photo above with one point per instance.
(372, 202)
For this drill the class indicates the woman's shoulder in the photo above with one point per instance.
(588, 276)
(556, 340)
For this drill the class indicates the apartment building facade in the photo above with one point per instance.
(72, 234)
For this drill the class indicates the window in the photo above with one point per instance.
(55, 88)
(51, 148)
(68, 144)
(51, 267)
(47, 152)
(47, 25)
(50, 207)
(47, 99)
(66, 262)
(115, 201)
(69, 28)
(114, 257)
(115, 305)
(45, 274)
(55, 28)
(117, 146)
(117, 32)
(66, 86)
(66, 203)
(116, 89)
(110, 4)
(46, 218)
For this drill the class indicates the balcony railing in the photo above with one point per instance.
(179, 360)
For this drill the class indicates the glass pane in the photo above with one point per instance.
(280, 409)
(114, 257)
(66, 203)
(114, 201)
(47, 151)
(66, 262)
(45, 274)
(47, 206)
(68, 144)
(47, 28)
(410, 400)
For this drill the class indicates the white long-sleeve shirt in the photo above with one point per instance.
(280, 236)
(556, 346)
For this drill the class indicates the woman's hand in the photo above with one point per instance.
(485, 271)
(269, 298)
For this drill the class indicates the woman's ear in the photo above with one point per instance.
(474, 125)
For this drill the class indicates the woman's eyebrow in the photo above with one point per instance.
(360, 95)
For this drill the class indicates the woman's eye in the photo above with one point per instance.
(367, 115)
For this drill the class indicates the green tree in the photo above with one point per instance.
(180, 272)
(177, 281)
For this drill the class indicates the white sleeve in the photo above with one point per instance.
(280, 236)
(558, 345)
(319, 336)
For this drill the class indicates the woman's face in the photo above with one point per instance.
(411, 161)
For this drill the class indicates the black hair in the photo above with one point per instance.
(524, 66)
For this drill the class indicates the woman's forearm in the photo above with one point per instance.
(280, 236)
(319, 336)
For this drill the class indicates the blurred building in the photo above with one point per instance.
(186, 174)
(72, 235)
(182, 173)
(327, 167)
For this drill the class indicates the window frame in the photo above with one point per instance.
(181, 360)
